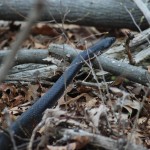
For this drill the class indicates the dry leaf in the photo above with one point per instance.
(95, 113)
(91, 103)
(32, 92)
(118, 81)
(17, 100)
(44, 29)
(39, 46)
(132, 104)
(81, 141)
(20, 108)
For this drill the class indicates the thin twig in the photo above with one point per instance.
(9, 122)
(142, 6)
(135, 22)
(127, 47)
(136, 119)
(91, 84)
(34, 133)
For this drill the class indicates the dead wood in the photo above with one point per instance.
(104, 13)
(102, 141)
(31, 73)
(27, 56)
(113, 66)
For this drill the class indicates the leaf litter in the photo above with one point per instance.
(122, 105)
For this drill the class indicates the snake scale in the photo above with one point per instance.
(24, 125)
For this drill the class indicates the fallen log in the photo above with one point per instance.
(25, 56)
(102, 13)
(113, 66)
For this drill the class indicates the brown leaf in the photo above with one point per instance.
(81, 141)
(62, 101)
(39, 46)
(118, 81)
(5, 98)
(44, 29)
(2, 105)
(91, 103)
(20, 109)
(125, 31)
(32, 92)
(17, 101)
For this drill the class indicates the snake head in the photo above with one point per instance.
(107, 42)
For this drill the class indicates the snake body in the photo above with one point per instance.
(24, 125)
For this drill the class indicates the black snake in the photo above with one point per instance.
(24, 125)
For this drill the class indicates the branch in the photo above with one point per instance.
(27, 56)
(101, 141)
(142, 6)
(102, 13)
(113, 66)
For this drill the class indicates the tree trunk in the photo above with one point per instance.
(99, 13)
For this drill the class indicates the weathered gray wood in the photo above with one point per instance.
(101, 13)
(139, 48)
(102, 141)
(27, 56)
(27, 73)
(113, 66)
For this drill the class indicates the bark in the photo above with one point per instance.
(27, 56)
(31, 73)
(37, 55)
(113, 66)
(100, 13)
(102, 141)
(139, 47)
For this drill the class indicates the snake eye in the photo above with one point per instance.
(113, 39)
